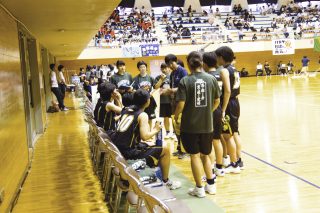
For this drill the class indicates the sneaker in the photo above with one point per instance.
(182, 155)
(167, 136)
(197, 192)
(210, 189)
(219, 172)
(65, 109)
(226, 161)
(231, 169)
(176, 153)
(172, 185)
(240, 163)
(172, 136)
(139, 165)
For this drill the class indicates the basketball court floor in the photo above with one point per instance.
(280, 132)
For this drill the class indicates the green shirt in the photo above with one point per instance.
(120, 80)
(198, 90)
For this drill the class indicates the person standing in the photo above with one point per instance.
(210, 66)
(122, 79)
(55, 87)
(62, 81)
(305, 65)
(230, 107)
(178, 72)
(198, 96)
(165, 106)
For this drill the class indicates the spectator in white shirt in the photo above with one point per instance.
(259, 71)
(55, 87)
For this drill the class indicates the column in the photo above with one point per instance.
(145, 3)
(195, 4)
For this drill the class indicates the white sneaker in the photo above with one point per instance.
(211, 189)
(172, 185)
(172, 135)
(197, 192)
(231, 169)
(220, 172)
(167, 136)
(65, 109)
(226, 161)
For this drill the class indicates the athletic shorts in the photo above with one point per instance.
(217, 123)
(165, 110)
(233, 111)
(194, 143)
(150, 153)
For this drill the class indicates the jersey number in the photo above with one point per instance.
(125, 122)
(236, 84)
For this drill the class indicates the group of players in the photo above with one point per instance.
(204, 106)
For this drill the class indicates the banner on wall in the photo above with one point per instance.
(283, 46)
(131, 51)
(316, 44)
(150, 49)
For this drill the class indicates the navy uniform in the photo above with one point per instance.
(233, 107)
(106, 119)
(119, 80)
(217, 114)
(96, 109)
(127, 139)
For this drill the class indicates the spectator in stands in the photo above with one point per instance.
(254, 37)
(267, 68)
(130, 132)
(240, 34)
(259, 71)
(193, 39)
(218, 13)
(244, 72)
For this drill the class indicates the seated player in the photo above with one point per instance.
(133, 127)
(259, 71)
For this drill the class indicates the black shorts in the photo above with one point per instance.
(217, 123)
(150, 153)
(165, 110)
(197, 143)
(233, 111)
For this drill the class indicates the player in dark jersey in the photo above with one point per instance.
(165, 101)
(176, 75)
(99, 102)
(210, 65)
(133, 127)
(198, 95)
(122, 79)
(111, 106)
(230, 106)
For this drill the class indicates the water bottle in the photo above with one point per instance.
(159, 138)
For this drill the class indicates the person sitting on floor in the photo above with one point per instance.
(133, 127)
(259, 71)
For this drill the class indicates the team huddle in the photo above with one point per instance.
(204, 108)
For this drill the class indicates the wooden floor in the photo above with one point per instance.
(61, 178)
(279, 124)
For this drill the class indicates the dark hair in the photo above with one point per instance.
(101, 87)
(107, 91)
(180, 63)
(120, 63)
(60, 67)
(304, 56)
(127, 99)
(170, 58)
(164, 65)
(210, 59)
(141, 63)
(52, 66)
(226, 53)
(140, 97)
(111, 67)
(194, 60)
